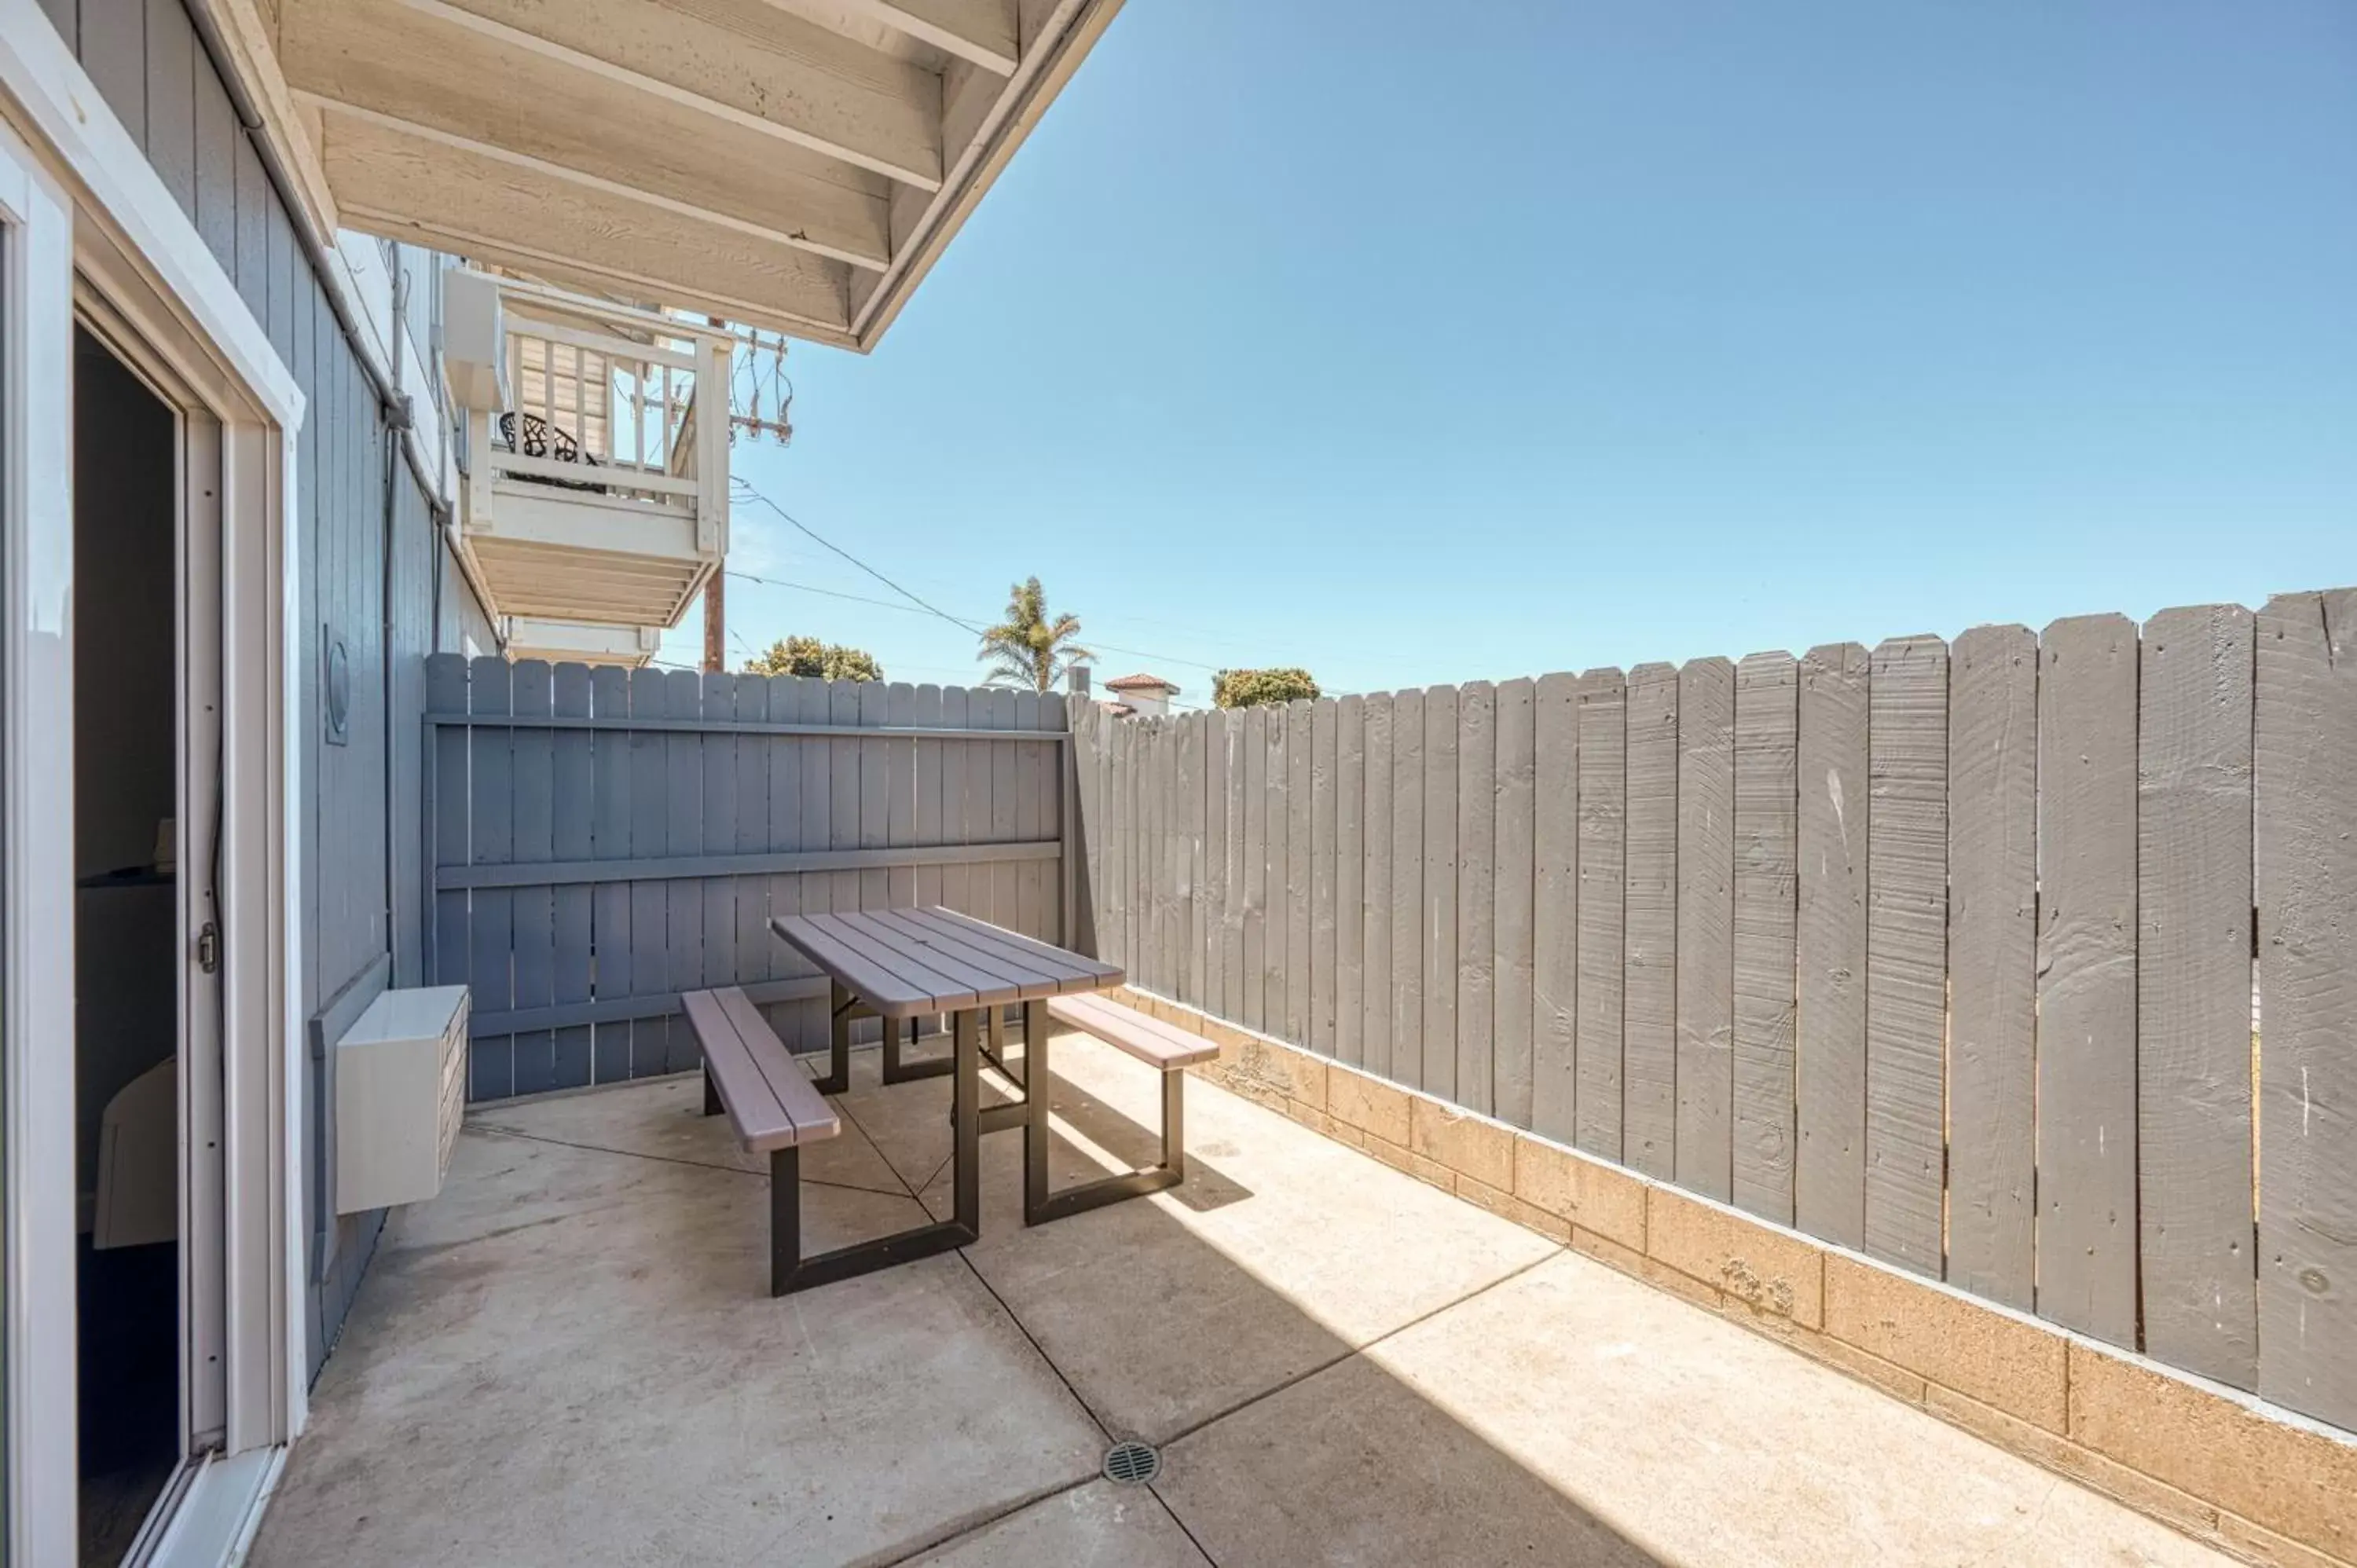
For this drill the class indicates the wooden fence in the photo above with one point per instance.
(1945, 953)
(599, 840)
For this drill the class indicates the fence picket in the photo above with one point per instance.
(532, 910)
(1006, 780)
(1032, 901)
(609, 902)
(1323, 946)
(2195, 1251)
(490, 1065)
(1192, 888)
(2086, 976)
(1217, 797)
(801, 1025)
(1767, 825)
(1476, 931)
(957, 791)
(1407, 887)
(1555, 907)
(1650, 924)
(1906, 949)
(900, 800)
(1993, 957)
(1228, 737)
(1253, 978)
(1440, 859)
(1297, 872)
(1603, 853)
(2306, 882)
(1350, 879)
(446, 693)
(718, 761)
(1375, 920)
(1512, 876)
(1704, 908)
(573, 836)
(1277, 934)
(683, 835)
(1829, 1022)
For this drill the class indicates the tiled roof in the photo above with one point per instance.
(1141, 682)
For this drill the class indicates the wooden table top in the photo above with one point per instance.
(910, 963)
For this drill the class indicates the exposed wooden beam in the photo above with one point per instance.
(870, 255)
(406, 186)
(742, 61)
(440, 81)
(981, 32)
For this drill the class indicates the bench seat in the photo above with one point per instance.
(1150, 1040)
(770, 1099)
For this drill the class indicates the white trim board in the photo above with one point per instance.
(135, 246)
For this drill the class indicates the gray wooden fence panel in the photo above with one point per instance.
(927, 758)
(1705, 909)
(2306, 882)
(1235, 769)
(1906, 949)
(2087, 976)
(609, 837)
(1650, 924)
(1440, 740)
(719, 830)
(1767, 825)
(1217, 803)
(1192, 890)
(573, 836)
(1032, 901)
(1513, 879)
(1555, 892)
(1407, 887)
(1054, 719)
(533, 910)
(1300, 961)
(901, 792)
(682, 696)
(876, 769)
(2196, 1255)
(1829, 1068)
(1603, 857)
(1005, 807)
(1993, 959)
(446, 692)
(1173, 880)
(1323, 946)
(1277, 935)
(491, 1068)
(1477, 895)
(1350, 879)
(797, 1024)
(956, 791)
(1255, 952)
(1375, 926)
(843, 792)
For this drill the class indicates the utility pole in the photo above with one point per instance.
(716, 619)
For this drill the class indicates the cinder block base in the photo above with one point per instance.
(2266, 1486)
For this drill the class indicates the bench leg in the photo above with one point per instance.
(898, 1070)
(789, 1271)
(1038, 1205)
(711, 1106)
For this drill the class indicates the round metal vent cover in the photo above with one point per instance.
(1132, 1463)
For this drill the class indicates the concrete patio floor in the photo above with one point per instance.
(570, 1358)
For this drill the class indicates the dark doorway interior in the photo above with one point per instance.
(126, 1003)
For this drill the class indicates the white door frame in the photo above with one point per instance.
(88, 201)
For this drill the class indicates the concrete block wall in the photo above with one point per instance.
(2264, 1484)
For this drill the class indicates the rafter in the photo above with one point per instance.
(981, 32)
(767, 70)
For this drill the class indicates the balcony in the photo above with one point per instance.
(595, 503)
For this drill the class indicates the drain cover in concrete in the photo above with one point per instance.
(1132, 1463)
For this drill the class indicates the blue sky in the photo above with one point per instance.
(1595, 332)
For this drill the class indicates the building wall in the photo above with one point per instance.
(376, 579)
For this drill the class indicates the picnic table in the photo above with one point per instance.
(904, 966)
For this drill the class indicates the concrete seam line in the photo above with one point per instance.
(676, 1160)
(1553, 1252)
(959, 1533)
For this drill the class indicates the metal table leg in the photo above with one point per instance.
(791, 1272)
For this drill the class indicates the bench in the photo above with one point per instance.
(1166, 1049)
(776, 1109)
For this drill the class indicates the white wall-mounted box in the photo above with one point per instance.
(401, 1091)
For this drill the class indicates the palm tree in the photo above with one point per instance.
(1027, 649)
